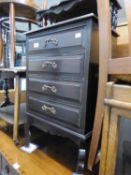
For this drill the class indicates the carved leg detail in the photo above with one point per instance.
(81, 162)
(27, 132)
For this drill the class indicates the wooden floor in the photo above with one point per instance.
(41, 162)
(58, 157)
(36, 163)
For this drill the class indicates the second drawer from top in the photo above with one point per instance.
(60, 64)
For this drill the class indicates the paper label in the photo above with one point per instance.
(36, 45)
(78, 35)
(30, 149)
(16, 166)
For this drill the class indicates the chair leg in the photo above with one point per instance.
(16, 110)
(27, 133)
(12, 33)
(112, 144)
(81, 162)
(104, 145)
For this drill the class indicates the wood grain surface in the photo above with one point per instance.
(30, 164)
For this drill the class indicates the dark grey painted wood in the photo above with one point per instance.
(69, 66)
(57, 129)
(58, 111)
(57, 40)
(63, 64)
(67, 90)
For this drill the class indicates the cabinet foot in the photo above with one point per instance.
(27, 133)
(81, 162)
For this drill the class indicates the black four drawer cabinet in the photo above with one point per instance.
(62, 76)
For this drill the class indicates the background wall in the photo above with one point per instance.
(38, 1)
(122, 15)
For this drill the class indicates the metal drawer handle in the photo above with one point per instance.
(49, 109)
(53, 41)
(49, 63)
(52, 88)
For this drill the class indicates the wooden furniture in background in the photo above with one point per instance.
(45, 3)
(122, 41)
(117, 105)
(104, 55)
(15, 72)
(108, 66)
(60, 10)
(12, 96)
(22, 10)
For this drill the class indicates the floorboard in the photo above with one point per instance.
(30, 164)
(41, 162)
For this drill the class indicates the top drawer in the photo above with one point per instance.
(57, 40)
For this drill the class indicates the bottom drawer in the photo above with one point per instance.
(6, 168)
(55, 111)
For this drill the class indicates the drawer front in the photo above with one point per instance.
(56, 40)
(53, 65)
(55, 111)
(7, 169)
(69, 91)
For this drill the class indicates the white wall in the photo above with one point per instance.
(122, 15)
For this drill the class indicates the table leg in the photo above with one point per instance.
(12, 33)
(112, 143)
(16, 109)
